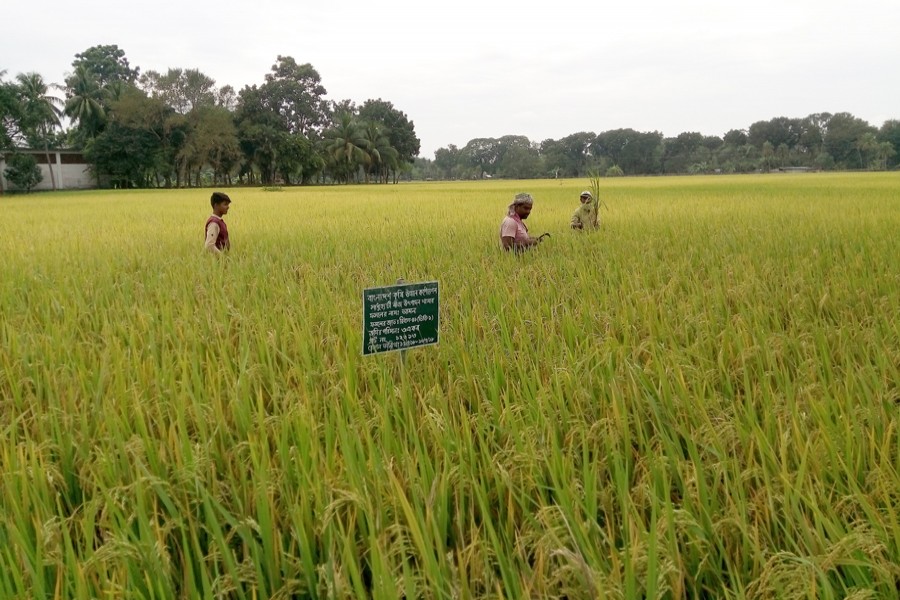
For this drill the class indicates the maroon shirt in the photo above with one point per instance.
(222, 242)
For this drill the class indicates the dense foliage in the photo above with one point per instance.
(817, 142)
(22, 170)
(179, 129)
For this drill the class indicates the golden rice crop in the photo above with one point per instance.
(699, 400)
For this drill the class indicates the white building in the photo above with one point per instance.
(70, 170)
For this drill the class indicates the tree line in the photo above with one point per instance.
(178, 129)
(820, 141)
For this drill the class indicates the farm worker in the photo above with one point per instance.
(216, 230)
(585, 216)
(513, 232)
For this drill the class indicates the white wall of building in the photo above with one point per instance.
(69, 176)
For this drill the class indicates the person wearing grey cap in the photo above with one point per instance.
(513, 231)
(586, 215)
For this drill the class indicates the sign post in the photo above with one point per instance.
(400, 317)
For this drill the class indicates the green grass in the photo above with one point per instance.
(700, 400)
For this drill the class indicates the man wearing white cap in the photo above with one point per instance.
(586, 215)
(513, 231)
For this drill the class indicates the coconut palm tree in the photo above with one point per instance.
(86, 103)
(346, 144)
(380, 155)
(40, 112)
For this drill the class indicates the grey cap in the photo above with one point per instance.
(523, 198)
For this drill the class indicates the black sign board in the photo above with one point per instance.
(400, 317)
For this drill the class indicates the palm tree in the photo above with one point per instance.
(883, 151)
(41, 113)
(371, 133)
(86, 102)
(346, 144)
(866, 145)
(380, 153)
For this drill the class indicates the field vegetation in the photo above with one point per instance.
(700, 400)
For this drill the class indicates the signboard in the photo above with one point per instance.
(400, 317)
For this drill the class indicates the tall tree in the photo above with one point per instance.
(295, 93)
(296, 159)
(381, 157)
(107, 63)
(130, 106)
(40, 115)
(735, 137)
(400, 131)
(681, 152)
(260, 143)
(181, 89)
(212, 140)
(100, 74)
(883, 152)
(842, 137)
(520, 158)
(777, 131)
(554, 156)
(447, 160)
(86, 102)
(890, 133)
(138, 119)
(346, 145)
(10, 112)
(577, 153)
(812, 134)
(633, 151)
(259, 131)
(484, 155)
(123, 156)
(196, 135)
(335, 108)
(226, 97)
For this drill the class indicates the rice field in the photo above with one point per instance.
(701, 400)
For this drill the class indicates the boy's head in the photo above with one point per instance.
(219, 198)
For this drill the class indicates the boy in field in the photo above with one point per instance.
(216, 231)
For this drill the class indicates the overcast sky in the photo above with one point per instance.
(468, 69)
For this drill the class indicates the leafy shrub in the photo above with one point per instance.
(23, 171)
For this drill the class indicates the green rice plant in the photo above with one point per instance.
(700, 401)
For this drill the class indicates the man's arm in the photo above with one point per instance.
(212, 232)
(510, 243)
